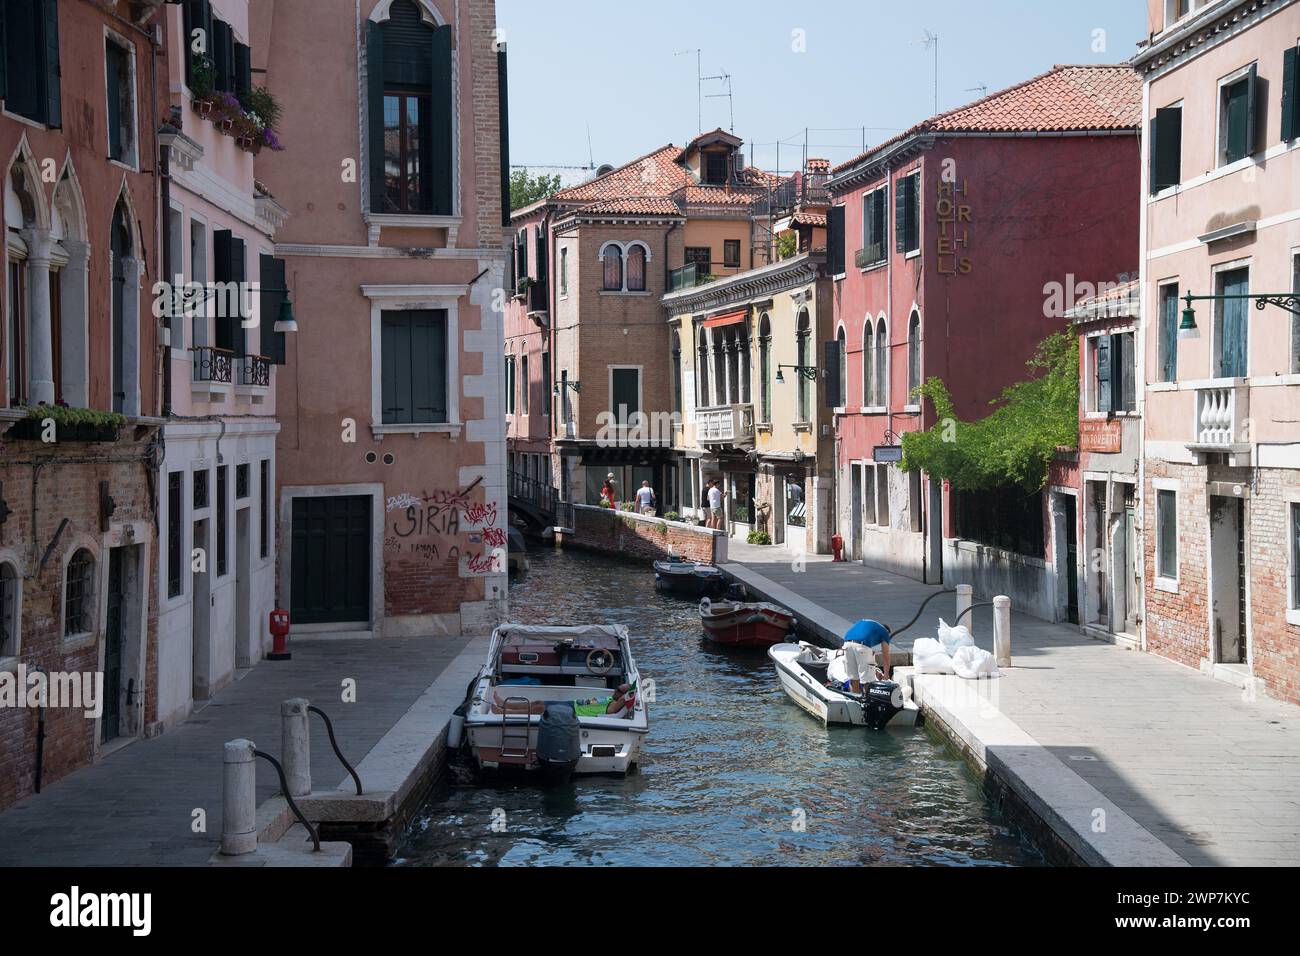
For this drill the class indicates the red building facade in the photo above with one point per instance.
(965, 239)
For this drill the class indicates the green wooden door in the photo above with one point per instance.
(331, 560)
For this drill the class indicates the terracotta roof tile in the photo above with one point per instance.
(802, 218)
(634, 206)
(654, 174)
(1065, 98)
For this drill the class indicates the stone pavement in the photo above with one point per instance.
(1212, 776)
(134, 808)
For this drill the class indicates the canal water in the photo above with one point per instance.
(732, 772)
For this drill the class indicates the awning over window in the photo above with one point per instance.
(730, 318)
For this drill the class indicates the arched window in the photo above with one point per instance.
(69, 294)
(802, 334)
(409, 77)
(79, 594)
(868, 363)
(913, 357)
(612, 256)
(765, 367)
(882, 364)
(123, 282)
(842, 382)
(636, 268)
(9, 585)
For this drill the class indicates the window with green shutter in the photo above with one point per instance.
(227, 297)
(408, 66)
(223, 56)
(120, 100)
(271, 280)
(243, 71)
(1238, 118)
(414, 367)
(30, 65)
(1166, 162)
(907, 214)
(1167, 345)
(1291, 94)
(835, 241)
(197, 21)
(1166, 534)
(875, 223)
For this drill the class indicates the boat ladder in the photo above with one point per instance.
(515, 717)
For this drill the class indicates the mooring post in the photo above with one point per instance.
(239, 799)
(964, 597)
(1002, 630)
(295, 746)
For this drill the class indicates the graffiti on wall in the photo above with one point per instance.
(436, 528)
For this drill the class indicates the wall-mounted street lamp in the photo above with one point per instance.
(1187, 329)
(576, 386)
(807, 371)
(284, 321)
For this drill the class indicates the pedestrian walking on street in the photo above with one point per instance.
(645, 499)
(715, 504)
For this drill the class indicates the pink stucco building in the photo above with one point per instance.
(218, 474)
(1221, 478)
(391, 479)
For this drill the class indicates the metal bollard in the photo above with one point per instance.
(964, 598)
(295, 746)
(1002, 630)
(239, 799)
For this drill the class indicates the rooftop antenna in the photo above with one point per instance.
(591, 157)
(928, 40)
(981, 89)
(725, 77)
(699, 90)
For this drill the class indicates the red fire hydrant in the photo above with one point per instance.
(279, 621)
(837, 546)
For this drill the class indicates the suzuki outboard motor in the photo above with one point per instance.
(559, 742)
(882, 700)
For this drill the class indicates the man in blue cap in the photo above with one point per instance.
(859, 644)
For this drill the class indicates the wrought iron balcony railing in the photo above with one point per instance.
(212, 364)
(255, 370)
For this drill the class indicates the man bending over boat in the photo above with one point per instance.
(859, 655)
(620, 705)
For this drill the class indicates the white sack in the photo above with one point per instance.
(929, 657)
(954, 637)
(972, 662)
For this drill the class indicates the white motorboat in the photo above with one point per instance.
(812, 677)
(543, 701)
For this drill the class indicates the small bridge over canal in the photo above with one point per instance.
(532, 502)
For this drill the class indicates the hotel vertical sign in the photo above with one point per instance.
(952, 244)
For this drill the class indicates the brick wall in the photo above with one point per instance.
(1275, 643)
(486, 128)
(1177, 624)
(633, 536)
(68, 487)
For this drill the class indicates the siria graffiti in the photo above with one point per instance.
(428, 533)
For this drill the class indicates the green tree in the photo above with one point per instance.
(1015, 443)
(526, 190)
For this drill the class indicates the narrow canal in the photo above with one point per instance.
(732, 772)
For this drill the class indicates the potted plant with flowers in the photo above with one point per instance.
(202, 84)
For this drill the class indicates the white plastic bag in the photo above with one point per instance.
(954, 637)
(972, 662)
(929, 657)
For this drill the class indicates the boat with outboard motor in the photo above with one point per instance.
(558, 698)
(815, 678)
(742, 624)
(691, 578)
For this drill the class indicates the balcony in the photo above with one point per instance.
(255, 371)
(871, 255)
(213, 370)
(688, 277)
(725, 425)
(1222, 423)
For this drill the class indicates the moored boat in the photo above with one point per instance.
(556, 698)
(813, 678)
(740, 624)
(688, 577)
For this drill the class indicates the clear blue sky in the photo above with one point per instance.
(611, 64)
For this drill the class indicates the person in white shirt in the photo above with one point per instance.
(645, 498)
(715, 504)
